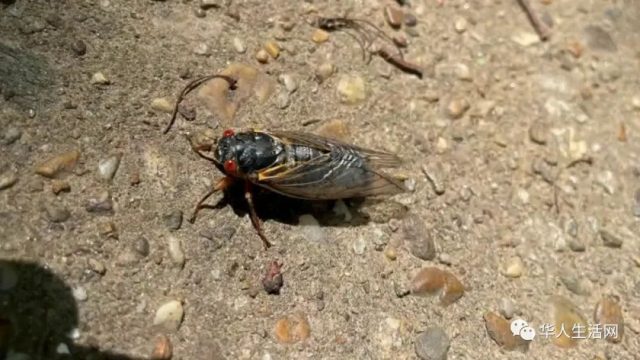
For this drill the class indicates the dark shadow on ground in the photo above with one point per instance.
(273, 206)
(37, 314)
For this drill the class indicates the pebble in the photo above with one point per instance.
(79, 293)
(351, 89)
(432, 344)
(513, 267)
(63, 349)
(499, 330)
(283, 100)
(173, 220)
(108, 229)
(175, 251)
(162, 348)
(8, 179)
(394, 16)
(310, 228)
(162, 104)
(607, 181)
(11, 135)
(324, 71)
(599, 39)
(96, 266)
(391, 253)
(609, 239)
(100, 204)
(202, 49)
(272, 48)
(576, 285)
(319, 36)
(58, 186)
(169, 316)
(289, 82)
(463, 72)
(64, 162)
(635, 102)
(239, 45)
(107, 167)
(203, 140)
(8, 276)
(359, 246)
(128, 257)
(209, 4)
(525, 38)
(57, 213)
(410, 20)
(273, 280)
(566, 315)
(433, 174)
(292, 328)
(456, 108)
(141, 246)
(538, 133)
(99, 79)
(608, 312)
(460, 25)
(78, 47)
(433, 281)
(507, 308)
(262, 56)
(418, 238)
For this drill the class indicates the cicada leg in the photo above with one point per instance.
(248, 194)
(221, 185)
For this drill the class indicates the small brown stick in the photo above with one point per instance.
(192, 85)
(541, 28)
(400, 63)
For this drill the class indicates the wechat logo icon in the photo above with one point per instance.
(521, 328)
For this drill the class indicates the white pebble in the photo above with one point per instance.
(359, 246)
(79, 293)
(100, 79)
(460, 25)
(107, 167)
(239, 46)
(175, 251)
(525, 38)
(74, 334)
(201, 49)
(289, 82)
(63, 349)
(311, 229)
(169, 315)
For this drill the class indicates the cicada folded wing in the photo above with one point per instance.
(342, 171)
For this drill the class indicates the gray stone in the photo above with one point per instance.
(433, 344)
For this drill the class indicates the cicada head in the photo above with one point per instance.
(242, 153)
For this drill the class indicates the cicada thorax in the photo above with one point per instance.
(245, 153)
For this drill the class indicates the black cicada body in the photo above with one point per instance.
(305, 166)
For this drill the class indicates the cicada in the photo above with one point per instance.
(299, 165)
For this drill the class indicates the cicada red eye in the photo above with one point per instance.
(228, 133)
(230, 166)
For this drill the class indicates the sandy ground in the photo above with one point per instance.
(496, 117)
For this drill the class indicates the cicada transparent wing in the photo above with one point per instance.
(342, 171)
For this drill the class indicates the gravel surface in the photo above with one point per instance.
(521, 157)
